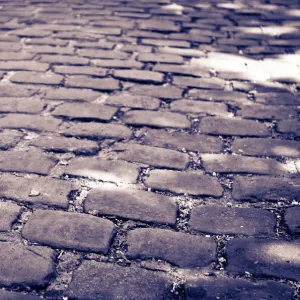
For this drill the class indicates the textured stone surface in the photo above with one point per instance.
(182, 249)
(9, 213)
(36, 190)
(153, 156)
(264, 257)
(26, 162)
(25, 266)
(6, 295)
(105, 170)
(232, 220)
(9, 138)
(118, 283)
(207, 288)
(292, 219)
(184, 182)
(21, 105)
(132, 204)
(69, 230)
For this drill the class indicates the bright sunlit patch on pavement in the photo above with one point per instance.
(282, 252)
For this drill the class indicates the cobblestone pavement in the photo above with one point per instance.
(149, 149)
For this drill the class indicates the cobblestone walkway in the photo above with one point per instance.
(149, 150)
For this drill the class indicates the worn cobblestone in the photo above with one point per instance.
(149, 150)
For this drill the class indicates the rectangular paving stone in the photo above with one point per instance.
(222, 163)
(257, 188)
(263, 257)
(81, 231)
(95, 130)
(230, 97)
(162, 91)
(232, 220)
(282, 98)
(204, 83)
(156, 119)
(232, 126)
(200, 107)
(181, 51)
(24, 65)
(289, 127)
(36, 78)
(160, 58)
(207, 287)
(153, 156)
(49, 49)
(104, 170)
(9, 214)
(161, 43)
(85, 111)
(182, 140)
(9, 138)
(117, 63)
(159, 25)
(184, 182)
(10, 46)
(181, 249)
(292, 219)
(96, 53)
(81, 81)
(34, 265)
(69, 94)
(118, 283)
(134, 101)
(46, 41)
(63, 59)
(36, 190)
(6, 55)
(30, 32)
(63, 144)
(262, 112)
(80, 70)
(25, 162)
(266, 147)
(132, 204)
(21, 105)
(139, 75)
(182, 70)
(31, 122)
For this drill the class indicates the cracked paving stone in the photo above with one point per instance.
(9, 138)
(261, 257)
(37, 78)
(25, 266)
(118, 283)
(257, 188)
(181, 249)
(81, 81)
(98, 130)
(9, 213)
(233, 220)
(132, 204)
(104, 170)
(31, 122)
(156, 119)
(182, 140)
(80, 231)
(49, 191)
(153, 156)
(133, 101)
(85, 111)
(206, 288)
(26, 162)
(63, 144)
(191, 183)
(292, 219)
